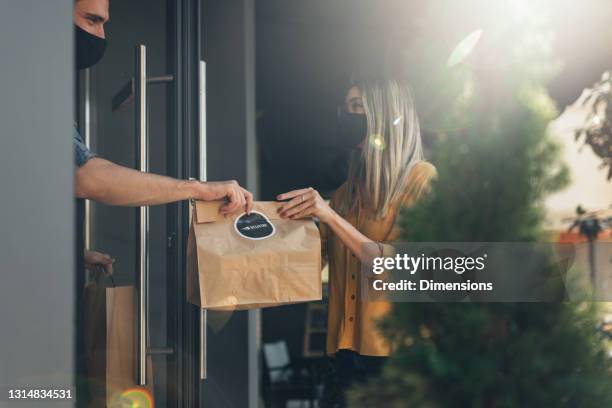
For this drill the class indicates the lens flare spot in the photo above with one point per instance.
(596, 120)
(464, 48)
(134, 398)
(378, 142)
(397, 121)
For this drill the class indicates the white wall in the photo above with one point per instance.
(36, 196)
(589, 186)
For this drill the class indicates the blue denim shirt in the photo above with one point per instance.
(81, 153)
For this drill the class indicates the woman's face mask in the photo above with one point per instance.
(339, 169)
(89, 49)
(352, 131)
(353, 128)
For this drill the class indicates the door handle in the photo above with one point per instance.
(135, 91)
(202, 174)
(142, 162)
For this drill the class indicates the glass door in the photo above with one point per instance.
(146, 110)
(139, 108)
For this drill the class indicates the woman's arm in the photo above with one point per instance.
(354, 240)
(308, 203)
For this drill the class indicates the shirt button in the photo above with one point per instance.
(351, 319)
(353, 297)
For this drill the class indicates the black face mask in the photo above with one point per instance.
(89, 49)
(339, 169)
(353, 128)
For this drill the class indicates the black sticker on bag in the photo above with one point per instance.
(254, 226)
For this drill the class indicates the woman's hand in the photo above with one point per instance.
(305, 202)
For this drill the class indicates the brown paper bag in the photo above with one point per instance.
(110, 346)
(249, 261)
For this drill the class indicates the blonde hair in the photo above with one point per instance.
(378, 174)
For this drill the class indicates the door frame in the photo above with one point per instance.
(183, 331)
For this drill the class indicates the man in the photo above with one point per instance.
(106, 182)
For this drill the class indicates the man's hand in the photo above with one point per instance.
(236, 196)
(109, 183)
(95, 259)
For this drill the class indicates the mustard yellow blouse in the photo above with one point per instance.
(351, 322)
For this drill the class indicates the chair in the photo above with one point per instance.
(287, 380)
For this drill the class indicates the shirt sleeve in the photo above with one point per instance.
(419, 183)
(81, 153)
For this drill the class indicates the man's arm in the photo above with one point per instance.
(110, 183)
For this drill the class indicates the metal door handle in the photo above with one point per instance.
(142, 162)
(202, 175)
(135, 91)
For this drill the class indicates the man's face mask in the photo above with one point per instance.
(89, 49)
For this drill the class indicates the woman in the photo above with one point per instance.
(386, 172)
